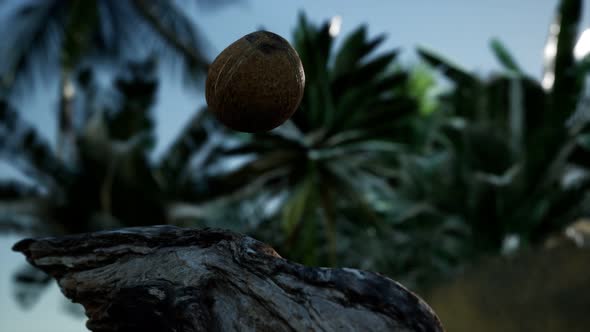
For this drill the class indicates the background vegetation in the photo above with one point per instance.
(412, 172)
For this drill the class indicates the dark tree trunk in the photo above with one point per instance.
(165, 278)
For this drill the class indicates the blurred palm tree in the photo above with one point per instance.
(111, 181)
(53, 39)
(311, 188)
(412, 188)
(510, 162)
(101, 175)
(327, 171)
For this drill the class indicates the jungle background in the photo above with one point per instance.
(426, 147)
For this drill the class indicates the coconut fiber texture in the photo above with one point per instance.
(256, 83)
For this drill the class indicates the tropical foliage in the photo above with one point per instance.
(510, 148)
(493, 165)
(41, 36)
(112, 181)
(330, 165)
(51, 41)
(100, 175)
(375, 170)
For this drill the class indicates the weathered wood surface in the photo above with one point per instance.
(165, 278)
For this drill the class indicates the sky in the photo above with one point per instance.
(47, 315)
(458, 29)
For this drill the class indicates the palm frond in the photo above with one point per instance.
(354, 49)
(14, 190)
(22, 143)
(453, 71)
(35, 33)
(81, 22)
(338, 152)
(175, 161)
(174, 28)
(504, 57)
(116, 34)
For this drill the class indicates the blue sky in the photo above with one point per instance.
(459, 29)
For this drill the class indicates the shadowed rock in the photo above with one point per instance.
(165, 278)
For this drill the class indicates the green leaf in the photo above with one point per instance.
(175, 34)
(348, 181)
(297, 205)
(327, 203)
(422, 85)
(366, 72)
(396, 80)
(453, 71)
(175, 160)
(33, 53)
(313, 46)
(323, 40)
(354, 49)
(384, 115)
(23, 143)
(504, 57)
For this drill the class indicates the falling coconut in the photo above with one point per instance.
(256, 83)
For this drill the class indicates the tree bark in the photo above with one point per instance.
(165, 278)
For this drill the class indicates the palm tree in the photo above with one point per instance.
(319, 188)
(510, 161)
(101, 176)
(111, 181)
(54, 38)
(327, 170)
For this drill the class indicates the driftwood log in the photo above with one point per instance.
(165, 278)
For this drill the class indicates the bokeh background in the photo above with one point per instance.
(444, 144)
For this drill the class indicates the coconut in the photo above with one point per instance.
(256, 83)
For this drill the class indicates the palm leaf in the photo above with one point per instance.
(177, 31)
(25, 145)
(14, 190)
(363, 73)
(176, 158)
(354, 48)
(81, 22)
(296, 206)
(453, 71)
(504, 57)
(314, 46)
(35, 28)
